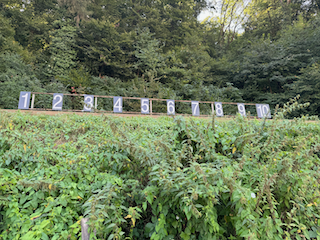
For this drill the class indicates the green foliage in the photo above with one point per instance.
(15, 76)
(255, 51)
(61, 48)
(144, 178)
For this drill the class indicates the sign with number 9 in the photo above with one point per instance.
(24, 100)
(170, 107)
(242, 109)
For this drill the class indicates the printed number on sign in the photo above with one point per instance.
(195, 108)
(24, 100)
(170, 107)
(219, 109)
(88, 103)
(242, 109)
(117, 104)
(57, 101)
(145, 105)
(263, 110)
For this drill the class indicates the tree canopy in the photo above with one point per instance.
(264, 51)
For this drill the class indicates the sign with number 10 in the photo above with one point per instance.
(263, 110)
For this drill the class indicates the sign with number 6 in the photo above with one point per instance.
(170, 107)
(24, 100)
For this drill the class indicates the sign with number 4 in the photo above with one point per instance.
(117, 104)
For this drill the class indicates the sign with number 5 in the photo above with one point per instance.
(145, 105)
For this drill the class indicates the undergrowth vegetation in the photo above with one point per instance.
(165, 178)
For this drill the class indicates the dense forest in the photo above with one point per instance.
(248, 51)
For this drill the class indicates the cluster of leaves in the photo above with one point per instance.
(166, 178)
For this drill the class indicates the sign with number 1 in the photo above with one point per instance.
(24, 100)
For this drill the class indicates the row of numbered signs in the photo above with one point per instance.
(263, 110)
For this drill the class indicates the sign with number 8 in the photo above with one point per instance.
(219, 109)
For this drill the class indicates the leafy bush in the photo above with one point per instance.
(144, 178)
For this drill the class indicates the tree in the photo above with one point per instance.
(307, 86)
(229, 16)
(62, 50)
(76, 8)
(15, 76)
